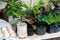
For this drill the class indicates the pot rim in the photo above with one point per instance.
(22, 24)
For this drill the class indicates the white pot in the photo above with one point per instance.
(22, 30)
(10, 19)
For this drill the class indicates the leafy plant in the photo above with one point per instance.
(36, 7)
(58, 1)
(56, 13)
(15, 8)
(48, 8)
(34, 11)
(50, 19)
(53, 4)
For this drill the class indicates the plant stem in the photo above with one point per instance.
(21, 19)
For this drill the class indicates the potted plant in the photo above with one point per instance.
(52, 18)
(29, 26)
(41, 29)
(57, 27)
(36, 10)
(33, 16)
(51, 21)
(9, 14)
(35, 13)
(30, 29)
(16, 9)
(21, 26)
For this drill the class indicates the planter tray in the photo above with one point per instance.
(2, 5)
(42, 37)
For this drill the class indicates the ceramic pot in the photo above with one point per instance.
(22, 30)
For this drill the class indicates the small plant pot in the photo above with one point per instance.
(52, 29)
(41, 31)
(56, 29)
(30, 32)
(22, 30)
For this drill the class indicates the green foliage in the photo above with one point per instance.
(14, 8)
(48, 8)
(58, 1)
(36, 7)
(40, 3)
(36, 10)
(51, 18)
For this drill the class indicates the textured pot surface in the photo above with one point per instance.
(30, 31)
(22, 30)
(56, 29)
(41, 31)
(53, 29)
